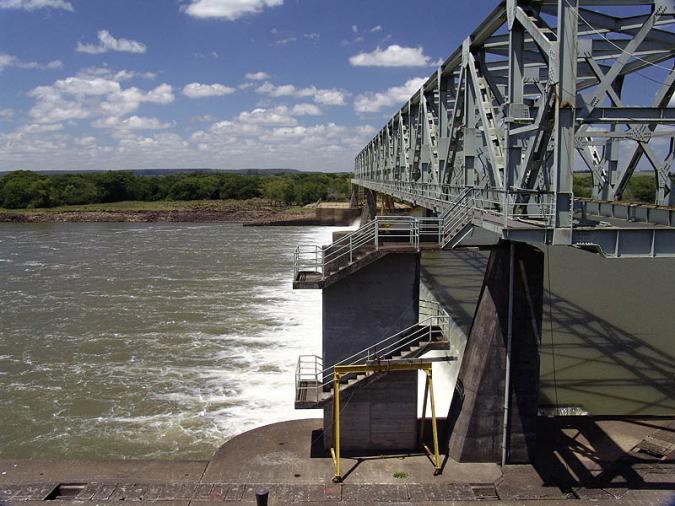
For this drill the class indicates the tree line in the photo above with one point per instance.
(25, 189)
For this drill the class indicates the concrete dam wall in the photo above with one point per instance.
(604, 349)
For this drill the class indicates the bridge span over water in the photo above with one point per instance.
(486, 150)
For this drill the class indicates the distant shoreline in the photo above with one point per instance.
(251, 212)
(182, 216)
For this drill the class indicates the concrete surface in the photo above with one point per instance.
(586, 460)
(607, 326)
(358, 312)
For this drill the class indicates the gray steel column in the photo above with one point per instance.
(515, 106)
(564, 120)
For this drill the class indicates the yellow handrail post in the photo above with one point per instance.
(437, 457)
(336, 426)
(424, 412)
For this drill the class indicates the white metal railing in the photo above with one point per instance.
(460, 205)
(311, 379)
(346, 249)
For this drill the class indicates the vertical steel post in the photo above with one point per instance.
(336, 426)
(565, 112)
(434, 429)
(507, 374)
(516, 107)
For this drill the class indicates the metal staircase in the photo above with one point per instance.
(313, 381)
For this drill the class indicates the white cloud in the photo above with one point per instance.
(8, 60)
(106, 42)
(392, 56)
(6, 114)
(31, 5)
(257, 76)
(332, 96)
(228, 9)
(115, 75)
(283, 42)
(76, 98)
(198, 90)
(374, 102)
(305, 109)
(377, 28)
(284, 90)
(130, 123)
(261, 116)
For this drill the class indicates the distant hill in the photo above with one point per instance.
(165, 172)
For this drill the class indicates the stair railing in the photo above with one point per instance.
(307, 370)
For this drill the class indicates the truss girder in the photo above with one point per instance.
(533, 91)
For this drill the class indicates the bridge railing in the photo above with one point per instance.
(505, 205)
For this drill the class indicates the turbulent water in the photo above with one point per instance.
(153, 340)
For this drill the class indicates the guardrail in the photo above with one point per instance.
(343, 251)
(311, 379)
(508, 205)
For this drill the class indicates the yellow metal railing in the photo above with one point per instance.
(386, 366)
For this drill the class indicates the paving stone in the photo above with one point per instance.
(235, 492)
(8, 491)
(176, 491)
(153, 492)
(87, 492)
(103, 492)
(332, 492)
(217, 493)
(202, 492)
(440, 492)
(129, 492)
(34, 492)
(374, 493)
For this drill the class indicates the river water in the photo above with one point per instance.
(148, 340)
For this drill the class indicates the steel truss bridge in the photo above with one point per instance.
(533, 93)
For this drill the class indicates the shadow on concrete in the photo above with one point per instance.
(583, 451)
(587, 361)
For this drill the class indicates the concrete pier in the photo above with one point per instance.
(481, 400)
(359, 311)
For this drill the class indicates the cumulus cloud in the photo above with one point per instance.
(328, 96)
(305, 110)
(8, 60)
(376, 101)
(377, 28)
(198, 90)
(131, 123)
(228, 9)
(257, 76)
(115, 75)
(78, 97)
(31, 5)
(392, 56)
(106, 42)
(274, 116)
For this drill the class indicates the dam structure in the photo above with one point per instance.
(502, 298)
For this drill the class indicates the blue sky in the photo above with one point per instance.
(124, 84)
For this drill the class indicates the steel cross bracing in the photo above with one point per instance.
(533, 93)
